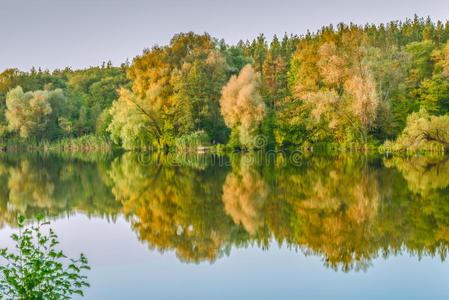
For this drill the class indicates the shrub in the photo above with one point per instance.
(36, 270)
(423, 132)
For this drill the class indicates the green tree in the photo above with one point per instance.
(197, 88)
(29, 113)
(435, 94)
(423, 130)
(133, 124)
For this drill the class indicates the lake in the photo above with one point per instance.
(241, 226)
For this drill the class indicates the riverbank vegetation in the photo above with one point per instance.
(353, 86)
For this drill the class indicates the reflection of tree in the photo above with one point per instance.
(174, 208)
(35, 184)
(244, 194)
(333, 209)
(423, 205)
(30, 186)
(348, 209)
(6, 215)
(423, 174)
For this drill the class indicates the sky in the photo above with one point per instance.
(81, 33)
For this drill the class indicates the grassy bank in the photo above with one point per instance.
(84, 143)
(90, 143)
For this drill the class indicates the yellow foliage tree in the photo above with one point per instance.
(334, 80)
(242, 105)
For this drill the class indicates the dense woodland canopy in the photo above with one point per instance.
(346, 84)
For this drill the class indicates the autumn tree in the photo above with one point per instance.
(242, 105)
(294, 127)
(177, 88)
(341, 91)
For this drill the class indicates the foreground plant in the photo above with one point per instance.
(37, 270)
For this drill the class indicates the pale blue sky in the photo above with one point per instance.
(80, 33)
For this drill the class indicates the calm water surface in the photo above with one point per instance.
(249, 226)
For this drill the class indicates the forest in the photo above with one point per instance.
(347, 86)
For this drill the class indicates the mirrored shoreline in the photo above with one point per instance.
(348, 209)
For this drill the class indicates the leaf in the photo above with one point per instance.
(39, 217)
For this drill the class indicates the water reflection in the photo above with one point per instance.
(347, 209)
(31, 184)
(172, 207)
(245, 194)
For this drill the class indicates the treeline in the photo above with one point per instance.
(39, 105)
(348, 85)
